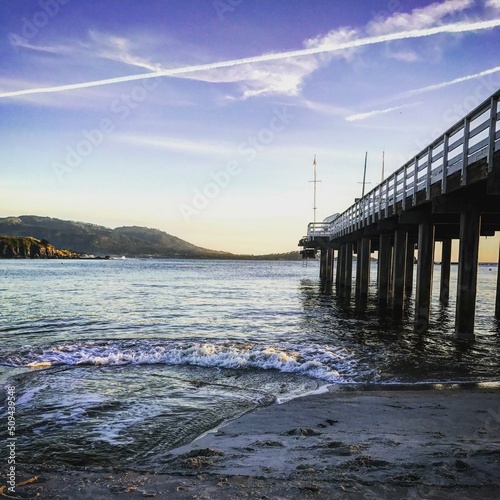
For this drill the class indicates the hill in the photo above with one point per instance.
(131, 241)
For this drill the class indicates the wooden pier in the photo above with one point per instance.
(449, 191)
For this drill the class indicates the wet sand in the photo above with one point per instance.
(343, 444)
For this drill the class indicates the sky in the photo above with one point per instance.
(202, 118)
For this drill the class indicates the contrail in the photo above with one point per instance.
(362, 42)
(369, 114)
(442, 85)
(422, 90)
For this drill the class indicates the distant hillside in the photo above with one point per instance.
(18, 247)
(131, 241)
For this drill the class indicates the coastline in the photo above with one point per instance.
(395, 443)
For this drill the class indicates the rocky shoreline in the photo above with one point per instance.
(26, 247)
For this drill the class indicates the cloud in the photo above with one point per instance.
(493, 4)
(404, 55)
(175, 144)
(100, 45)
(418, 19)
(285, 76)
(20, 42)
(325, 109)
(119, 49)
(323, 48)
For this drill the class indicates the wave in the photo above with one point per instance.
(323, 362)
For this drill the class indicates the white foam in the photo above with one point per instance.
(317, 361)
(322, 389)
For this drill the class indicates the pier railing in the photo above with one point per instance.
(473, 138)
(318, 229)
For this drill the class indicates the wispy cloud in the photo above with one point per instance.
(19, 42)
(119, 49)
(419, 18)
(493, 4)
(325, 109)
(176, 144)
(375, 112)
(404, 55)
(324, 48)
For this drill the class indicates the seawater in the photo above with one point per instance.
(117, 362)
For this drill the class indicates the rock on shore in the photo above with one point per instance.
(25, 247)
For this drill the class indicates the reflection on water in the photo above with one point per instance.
(389, 344)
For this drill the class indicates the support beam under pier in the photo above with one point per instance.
(497, 304)
(425, 267)
(322, 264)
(358, 267)
(365, 266)
(348, 267)
(470, 225)
(329, 266)
(444, 293)
(410, 258)
(398, 287)
(384, 266)
(342, 257)
(337, 276)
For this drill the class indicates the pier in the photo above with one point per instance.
(449, 191)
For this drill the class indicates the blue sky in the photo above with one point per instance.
(221, 154)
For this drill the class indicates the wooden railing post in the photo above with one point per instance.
(415, 181)
(465, 153)
(405, 173)
(429, 174)
(444, 174)
(492, 132)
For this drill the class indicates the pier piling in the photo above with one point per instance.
(470, 224)
(365, 266)
(384, 262)
(398, 284)
(322, 264)
(497, 303)
(444, 291)
(348, 267)
(410, 256)
(339, 267)
(425, 267)
(329, 266)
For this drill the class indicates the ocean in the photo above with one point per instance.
(116, 362)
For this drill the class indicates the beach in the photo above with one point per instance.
(442, 442)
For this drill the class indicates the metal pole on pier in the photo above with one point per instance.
(315, 182)
(364, 176)
(383, 166)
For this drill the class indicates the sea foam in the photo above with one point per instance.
(318, 361)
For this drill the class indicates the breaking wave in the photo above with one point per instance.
(327, 363)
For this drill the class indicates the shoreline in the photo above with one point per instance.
(390, 443)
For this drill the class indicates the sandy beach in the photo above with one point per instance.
(341, 444)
